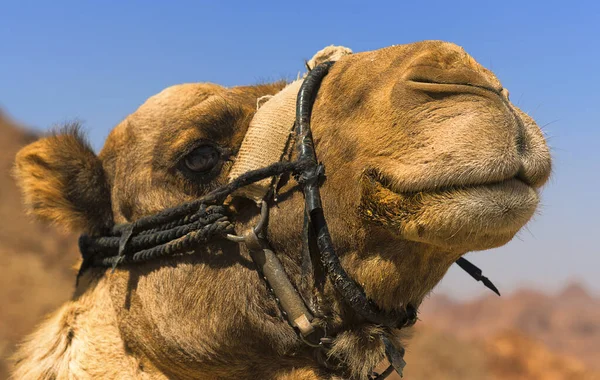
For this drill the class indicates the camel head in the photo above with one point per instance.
(426, 159)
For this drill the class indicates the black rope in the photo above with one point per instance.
(174, 230)
(156, 236)
(351, 292)
(179, 245)
(145, 247)
(215, 197)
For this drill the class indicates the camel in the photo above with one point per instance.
(426, 159)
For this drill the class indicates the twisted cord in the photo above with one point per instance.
(149, 238)
(174, 230)
(183, 244)
(217, 196)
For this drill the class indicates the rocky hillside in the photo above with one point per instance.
(567, 323)
(435, 354)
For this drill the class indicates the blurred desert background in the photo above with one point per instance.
(98, 61)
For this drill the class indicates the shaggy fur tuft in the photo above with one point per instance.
(63, 181)
(361, 350)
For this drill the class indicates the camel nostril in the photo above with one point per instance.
(432, 77)
(451, 87)
(520, 141)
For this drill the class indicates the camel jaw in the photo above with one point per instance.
(455, 218)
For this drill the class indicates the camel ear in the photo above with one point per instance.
(63, 182)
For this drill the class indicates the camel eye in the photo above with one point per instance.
(202, 159)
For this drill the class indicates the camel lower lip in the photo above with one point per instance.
(484, 215)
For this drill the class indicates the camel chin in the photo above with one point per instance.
(455, 219)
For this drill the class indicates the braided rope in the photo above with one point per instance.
(155, 236)
(175, 230)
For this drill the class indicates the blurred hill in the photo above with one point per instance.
(434, 354)
(528, 335)
(567, 323)
(36, 262)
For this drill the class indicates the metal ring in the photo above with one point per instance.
(309, 343)
(235, 238)
(264, 213)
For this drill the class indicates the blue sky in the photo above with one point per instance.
(98, 61)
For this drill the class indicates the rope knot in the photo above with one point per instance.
(312, 176)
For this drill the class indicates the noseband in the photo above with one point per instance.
(178, 230)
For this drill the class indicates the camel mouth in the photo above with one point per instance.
(392, 184)
(475, 216)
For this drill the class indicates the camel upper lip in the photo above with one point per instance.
(388, 182)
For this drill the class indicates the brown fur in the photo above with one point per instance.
(426, 159)
(76, 194)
